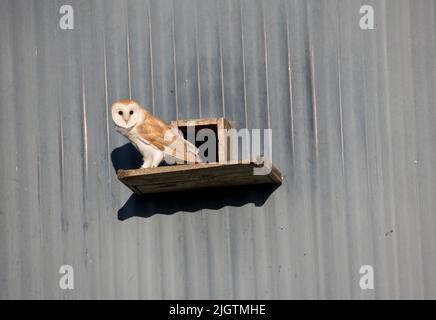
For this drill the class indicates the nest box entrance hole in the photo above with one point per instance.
(208, 154)
(212, 142)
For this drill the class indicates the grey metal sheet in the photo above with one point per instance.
(352, 114)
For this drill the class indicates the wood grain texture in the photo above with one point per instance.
(197, 176)
(197, 122)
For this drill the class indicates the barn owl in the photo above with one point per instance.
(152, 137)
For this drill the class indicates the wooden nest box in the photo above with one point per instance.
(219, 171)
(217, 125)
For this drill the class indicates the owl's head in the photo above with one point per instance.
(126, 113)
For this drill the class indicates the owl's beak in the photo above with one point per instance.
(126, 118)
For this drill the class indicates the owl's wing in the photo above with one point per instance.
(167, 139)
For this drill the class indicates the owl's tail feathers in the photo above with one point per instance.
(192, 153)
(199, 159)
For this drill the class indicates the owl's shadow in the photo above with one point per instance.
(145, 206)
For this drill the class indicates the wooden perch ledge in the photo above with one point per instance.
(196, 176)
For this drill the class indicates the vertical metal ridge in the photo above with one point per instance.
(243, 63)
(411, 116)
(265, 49)
(110, 250)
(85, 121)
(173, 35)
(197, 58)
(64, 221)
(220, 45)
(150, 35)
(343, 181)
(291, 93)
(39, 222)
(341, 118)
(108, 142)
(315, 178)
(339, 57)
(128, 57)
(389, 146)
(429, 285)
(416, 177)
(366, 122)
(13, 248)
(314, 103)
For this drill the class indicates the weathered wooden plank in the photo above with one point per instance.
(197, 176)
(197, 122)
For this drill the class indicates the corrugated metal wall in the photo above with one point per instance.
(353, 116)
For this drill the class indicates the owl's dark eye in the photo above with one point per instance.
(120, 113)
(131, 112)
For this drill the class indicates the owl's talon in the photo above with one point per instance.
(146, 164)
